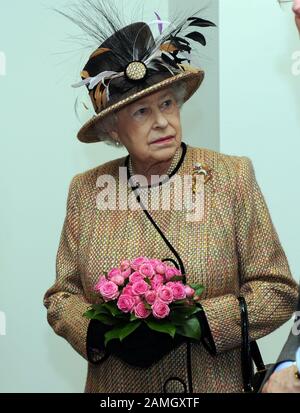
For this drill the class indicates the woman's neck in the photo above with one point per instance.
(156, 168)
(160, 168)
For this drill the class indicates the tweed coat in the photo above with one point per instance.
(233, 250)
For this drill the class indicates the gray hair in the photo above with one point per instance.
(109, 122)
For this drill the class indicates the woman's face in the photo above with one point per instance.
(141, 124)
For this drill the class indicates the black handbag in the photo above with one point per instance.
(250, 353)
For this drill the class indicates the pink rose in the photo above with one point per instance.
(189, 291)
(117, 279)
(150, 296)
(126, 273)
(178, 290)
(127, 290)
(113, 272)
(135, 277)
(137, 299)
(154, 262)
(157, 281)
(125, 264)
(171, 272)
(140, 287)
(125, 303)
(146, 270)
(165, 294)
(160, 268)
(101, 281)
(160, 309)
(137, 262)
(109, 291)
(141, 311)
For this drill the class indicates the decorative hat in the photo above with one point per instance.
(130, 63)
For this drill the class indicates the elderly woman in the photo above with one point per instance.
(137, 85)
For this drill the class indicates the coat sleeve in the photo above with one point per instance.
(265, 279)
(65, 300)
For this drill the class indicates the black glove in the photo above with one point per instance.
(142, 348)
(206, 336)
(95, 349)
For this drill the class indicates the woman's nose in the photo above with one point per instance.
(160, 120)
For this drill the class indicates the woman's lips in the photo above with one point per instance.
(164, 140)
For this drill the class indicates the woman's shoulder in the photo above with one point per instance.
(230, 173)
(220, 162)
(88, 179)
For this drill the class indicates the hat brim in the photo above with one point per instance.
(90, 132)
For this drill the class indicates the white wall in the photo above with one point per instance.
(260, 115)
(204, 106)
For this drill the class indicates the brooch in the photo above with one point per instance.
(200, 169)
(136, 70)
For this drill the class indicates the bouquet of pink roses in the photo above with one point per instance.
(147, 291)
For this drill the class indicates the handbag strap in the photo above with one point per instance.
(249, 350)
(256, 356)
(246, 360)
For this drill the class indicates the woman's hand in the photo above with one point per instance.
(296, 10)
(283, 381)
(144, 347)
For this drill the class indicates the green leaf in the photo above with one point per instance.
(198, 288)
(112, 308)
(133, 317)
(100, 309)
(89, 314)
(181, 314)
(191, 328)
(179, 302)
(121, 331)
(176, 278)
(162, 326)
(105, 319)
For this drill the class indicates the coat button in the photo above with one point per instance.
(175, 385)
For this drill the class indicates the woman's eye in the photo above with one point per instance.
(140, 112)
(167, 103)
